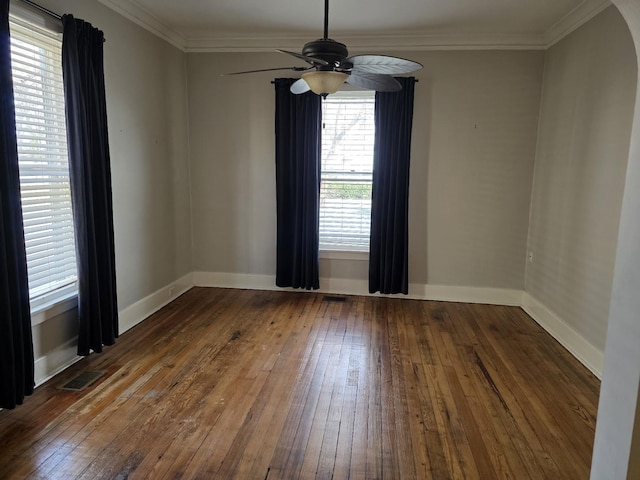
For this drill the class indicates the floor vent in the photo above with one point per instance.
(82, 380)
(333, 298)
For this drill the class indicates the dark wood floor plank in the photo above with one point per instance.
(362, 379)
(268, 451)
(490, 411)
(401, 390)
(523, 405)
(345, 402)
(553, 404)
(244, 384)
(273, 393)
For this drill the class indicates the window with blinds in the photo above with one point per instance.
(43, 163)
(348, 136)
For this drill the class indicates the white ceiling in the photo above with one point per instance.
(254, 25)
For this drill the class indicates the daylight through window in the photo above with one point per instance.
(43, 163)
(348, 137)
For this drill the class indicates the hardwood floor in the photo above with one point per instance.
(278, 385)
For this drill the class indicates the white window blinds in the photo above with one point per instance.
(43, 162)
(348, 137)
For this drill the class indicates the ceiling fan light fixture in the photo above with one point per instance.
(328, 61)
(324, 82)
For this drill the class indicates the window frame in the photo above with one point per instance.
(64, 297)
(345, 251)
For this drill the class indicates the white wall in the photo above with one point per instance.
(148, 125)
(583, 148)
(475, 121)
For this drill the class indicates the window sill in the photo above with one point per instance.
(345, 255)
(42, 313)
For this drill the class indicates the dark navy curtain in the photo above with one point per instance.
(90, 173)
(298, 149)
(388, 254)
(16, 344)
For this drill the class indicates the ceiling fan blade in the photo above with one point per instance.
(306, 58)
(374, 81)
(383, 64)
(295, 69)
(299, 86)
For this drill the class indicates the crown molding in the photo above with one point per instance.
(356, 42)
(574, 19)
(379, 43)
(142, 17)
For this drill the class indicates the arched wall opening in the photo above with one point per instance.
(617, 441)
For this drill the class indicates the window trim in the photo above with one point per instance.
(348, 252)
(60, 305)
(353, 255)
(64, 298)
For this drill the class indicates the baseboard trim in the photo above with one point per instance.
(243, 281)
(569, 338)
(345, 286)
(64, 356)
(142, 309)
(446, 293)
(54, 362)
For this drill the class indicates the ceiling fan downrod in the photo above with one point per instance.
(326, 20)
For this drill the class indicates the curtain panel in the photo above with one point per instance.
(16, 344)
(90, 174)
(388, 254)
(298, 148)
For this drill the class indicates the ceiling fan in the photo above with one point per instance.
(330, 67)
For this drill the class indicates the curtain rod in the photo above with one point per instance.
(42, 9)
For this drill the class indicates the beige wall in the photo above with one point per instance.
(475, 121)
(478, 120)
(148, 125)
(232, 163)
(583, 147)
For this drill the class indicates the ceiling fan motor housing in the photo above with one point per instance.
(329, 50)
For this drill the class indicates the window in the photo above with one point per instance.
(348, 137)
(43, 163)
